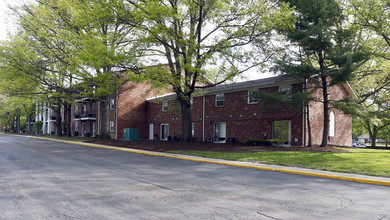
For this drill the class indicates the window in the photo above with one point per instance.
(192, 102)
(76, 109)
(112, 126)
(76, 126)
(112, 103)
(193, 129)
(164, 105)
(219, 100)
(332, 124)
(253, 96)
(281, 130)
(286, 91)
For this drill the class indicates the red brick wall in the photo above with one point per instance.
(343, 123)
(132, 109)
(243, 121)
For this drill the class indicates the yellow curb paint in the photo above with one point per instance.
(257, 167)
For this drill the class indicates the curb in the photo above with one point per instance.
(226, 163)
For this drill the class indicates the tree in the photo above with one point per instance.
(329, 49)
(192, 35)
(75, 49)
(372, 109)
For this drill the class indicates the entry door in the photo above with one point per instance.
(164, 131)
(83, 129)
(92, 129)
(151, 131)
(220, 131)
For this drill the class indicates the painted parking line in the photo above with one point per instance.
(227, 163)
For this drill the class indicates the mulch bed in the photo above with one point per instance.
(163, 146)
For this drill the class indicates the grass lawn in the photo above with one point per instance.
(360, 161)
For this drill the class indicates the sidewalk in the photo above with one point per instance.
(275, 168)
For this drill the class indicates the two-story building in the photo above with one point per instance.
(222, 113)
(232, 113)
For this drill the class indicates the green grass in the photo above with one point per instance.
(360, 161)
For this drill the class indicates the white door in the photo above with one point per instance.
(83, 129)
(151, 131)
(220, 131)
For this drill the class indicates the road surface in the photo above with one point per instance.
(49, 180)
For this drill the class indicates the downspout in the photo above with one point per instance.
(304, 116)
(203, 118)
(303, 124)
(116, 115)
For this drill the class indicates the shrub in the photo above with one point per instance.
(267, 142)
(38, 127)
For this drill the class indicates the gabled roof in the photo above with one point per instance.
(252, 84)
(239, 86)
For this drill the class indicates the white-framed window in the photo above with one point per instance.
(112, 103)
(332, 124)
(286, 90)
(192, 102)
(164, 105)
(76, 110)
(111, 126)
(219, 100)
(253, 96)
(76, 126)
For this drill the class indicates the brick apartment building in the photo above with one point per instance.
(231, 113)
(219, 114)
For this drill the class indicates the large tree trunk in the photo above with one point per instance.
(325, 132)
(18, 120)
(309, 143)
(186, 121)
(103, 119)
(68, 116)
(28, 127)
(373, 133)
(58, 120)
(307, 115)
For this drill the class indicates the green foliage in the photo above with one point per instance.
(267, 142)
(38, 127)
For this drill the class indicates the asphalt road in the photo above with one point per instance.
(49, 180)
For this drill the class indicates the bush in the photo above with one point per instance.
(38, 127)
(267, 142)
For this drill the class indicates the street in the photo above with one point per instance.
(42, 179)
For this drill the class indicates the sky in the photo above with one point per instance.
(6, 20)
